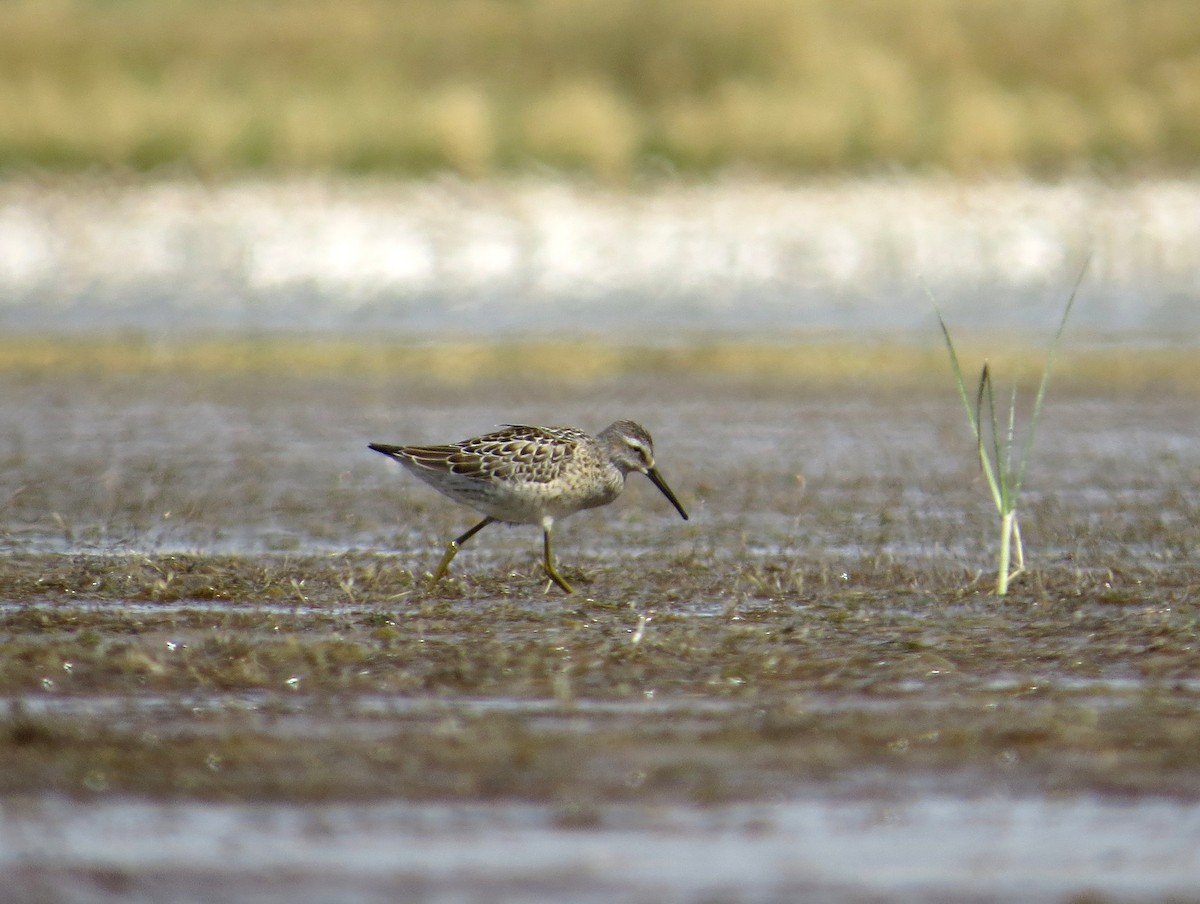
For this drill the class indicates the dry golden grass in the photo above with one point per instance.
(799, 360)
(606, 87)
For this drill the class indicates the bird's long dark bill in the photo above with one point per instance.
(657, 480)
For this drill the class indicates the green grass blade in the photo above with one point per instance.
(1010, 438)
(972, 413)
(993, 462)
(996, 450)
(1045, 381)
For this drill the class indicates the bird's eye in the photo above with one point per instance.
(640, 452)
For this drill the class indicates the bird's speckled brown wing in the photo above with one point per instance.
(516, 454)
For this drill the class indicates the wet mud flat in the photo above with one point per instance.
(224, 674)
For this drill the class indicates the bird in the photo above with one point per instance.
(523, 474)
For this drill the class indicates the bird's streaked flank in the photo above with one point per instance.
(533, 475)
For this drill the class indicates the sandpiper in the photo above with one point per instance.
(533, 475)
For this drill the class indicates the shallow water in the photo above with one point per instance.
(921, 847)
(168, 463)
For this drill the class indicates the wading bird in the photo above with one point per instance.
(533, 475)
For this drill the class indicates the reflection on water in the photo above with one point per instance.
(919, 848)
(737, 256)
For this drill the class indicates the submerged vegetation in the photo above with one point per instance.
(194, 676)
(606, 87)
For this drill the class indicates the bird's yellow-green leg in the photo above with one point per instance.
(455, 545)
(551, 571)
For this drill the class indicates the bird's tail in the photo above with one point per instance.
(385, 449)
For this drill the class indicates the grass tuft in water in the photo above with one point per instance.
(1003, 468)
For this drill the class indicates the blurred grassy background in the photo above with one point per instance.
(609, 88)
(882, 363)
